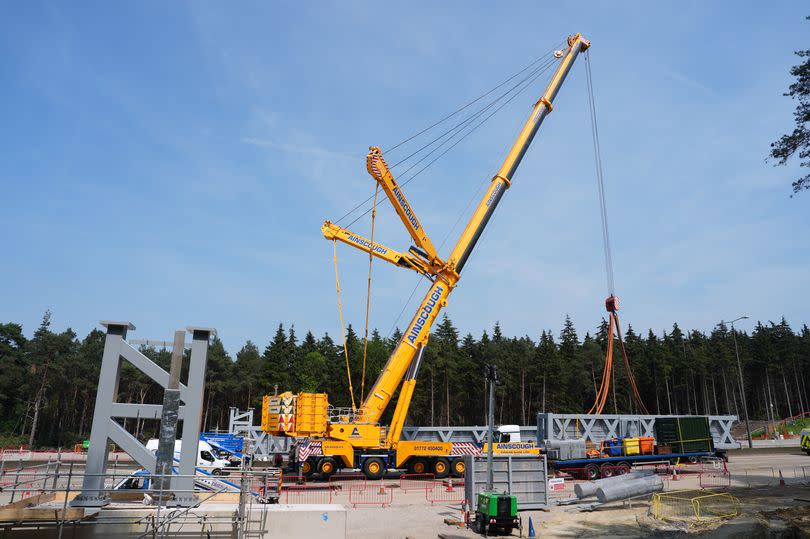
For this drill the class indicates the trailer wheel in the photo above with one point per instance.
(418, 465)
(327, 467)
(622, 468)
(607, 470)
(591, 472)
(693, 460)
(373, 468)
(441, 468)
(457, 467)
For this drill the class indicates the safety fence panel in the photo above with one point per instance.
(446, 491)
(340, 484)
(263, 484)
(714, 506)
(292, 480)
(307, 494)
(693, 506)
(715, 479)
(382, 495)
(758, 477)
(416, 481)
(15, 454)
(802, 473)
(562, 488)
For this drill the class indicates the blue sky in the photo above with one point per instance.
(171, 163)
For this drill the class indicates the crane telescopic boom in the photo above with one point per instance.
(330, 435)
(418, 329)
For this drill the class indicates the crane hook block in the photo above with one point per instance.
(612, 304)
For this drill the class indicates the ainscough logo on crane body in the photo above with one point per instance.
(367, 244)
(424, 314)
(406, 208)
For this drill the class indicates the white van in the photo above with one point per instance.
(206, 458)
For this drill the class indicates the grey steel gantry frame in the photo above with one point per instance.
(105, 427)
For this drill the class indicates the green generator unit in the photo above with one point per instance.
(496, 513)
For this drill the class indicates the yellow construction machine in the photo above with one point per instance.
(330, 438)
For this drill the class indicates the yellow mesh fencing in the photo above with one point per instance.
(694, 506)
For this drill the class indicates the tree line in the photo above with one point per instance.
(48, 387)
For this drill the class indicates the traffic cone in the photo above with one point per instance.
(531, 528)
(781, 479)
(449, 486)
(382, 489)
(674, 473)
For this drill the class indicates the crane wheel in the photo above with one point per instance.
(373, 468)
(441, 468)
(327, 467)
(306, 468)
(418, 466)
(457, 467)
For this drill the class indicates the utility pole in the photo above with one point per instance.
(492, 378)
(739, 371)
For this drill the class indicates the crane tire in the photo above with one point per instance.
(441, 468)
(418, 466)
(327, 467)
(373, 468)
(457, 467)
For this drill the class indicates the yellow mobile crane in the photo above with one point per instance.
(331, 438)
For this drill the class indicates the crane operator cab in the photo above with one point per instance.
(507, 433)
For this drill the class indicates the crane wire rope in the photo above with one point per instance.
(602, 394)
(342, 325)
(368, 295)
(427, 145)
(600, 180)
(536, 75)
(471, 118)
(517, 89)
(444, 240)
(470, 103)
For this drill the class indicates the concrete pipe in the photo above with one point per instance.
(588, 488)
(621, 490)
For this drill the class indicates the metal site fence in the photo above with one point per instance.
(445, 491)
(693, 506)
(340, 484)
(380, 494)
(765, 476)
(308, 494)
(42, 497)
(416, 481)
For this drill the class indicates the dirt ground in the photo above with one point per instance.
(766, 511)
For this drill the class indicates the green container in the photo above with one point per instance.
(687, 434)
(695, 434)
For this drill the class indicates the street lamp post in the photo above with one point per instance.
(739, 371)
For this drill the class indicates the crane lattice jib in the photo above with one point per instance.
(418, 330)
